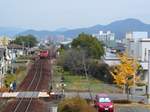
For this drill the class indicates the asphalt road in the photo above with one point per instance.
(118, 108)
(116, 96)
(131, 109)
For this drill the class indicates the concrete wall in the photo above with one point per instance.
(145, 46)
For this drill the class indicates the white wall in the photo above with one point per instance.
(139, 35)
(139, 50)
(138, 45)
(20, 52)
(134, 45)
(145, 46)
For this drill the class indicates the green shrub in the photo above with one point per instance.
(9, 78)
(75, 104)
(140, 84)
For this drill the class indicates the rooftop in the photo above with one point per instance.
(14, 46)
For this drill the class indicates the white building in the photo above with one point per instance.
(137, 46)
(15, 51)
(5, 63)
(111, 58)
(107, 37)
(136, 35)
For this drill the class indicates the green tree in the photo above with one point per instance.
(77, 62)
(90, 44)
(27, 41)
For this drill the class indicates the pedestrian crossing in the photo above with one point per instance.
(24, 94)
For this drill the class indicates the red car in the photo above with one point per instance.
(103, 103)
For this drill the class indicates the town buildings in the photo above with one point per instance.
(15, 51)
(8, 54)
(5, 59)
(137, 46)
(108, 38)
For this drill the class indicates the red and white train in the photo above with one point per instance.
(44, 54)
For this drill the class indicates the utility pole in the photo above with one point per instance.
(23, 46)
(134, 85)
(148, 84)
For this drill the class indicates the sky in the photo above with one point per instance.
(54, 14)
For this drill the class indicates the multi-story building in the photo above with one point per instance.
(106, 35)
(137, 46)
(108, 38)
(5, 63)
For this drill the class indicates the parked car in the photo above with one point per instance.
(103, 103)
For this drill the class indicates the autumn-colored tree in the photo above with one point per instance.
(125, 73)
(4, 41)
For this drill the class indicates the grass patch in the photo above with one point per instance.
(18, 76)
(21, 73)
(80, 83)
(3, 103)
(24, 57)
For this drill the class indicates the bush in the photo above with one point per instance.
(72, 60)
(20, 69)
(9, 78)
(140, 84)
(100, 71)
(123, 101)
(75, 104)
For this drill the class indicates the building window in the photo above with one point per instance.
(145, 53)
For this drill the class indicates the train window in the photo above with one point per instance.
(43, 51)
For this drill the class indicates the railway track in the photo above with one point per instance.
(34, 84)
(23, 106)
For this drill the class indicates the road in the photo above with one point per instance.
(118, 108)
(113, 96)
(131, 109)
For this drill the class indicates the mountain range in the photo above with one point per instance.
(119, 27)
(10, 31)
